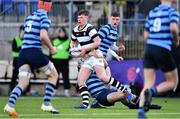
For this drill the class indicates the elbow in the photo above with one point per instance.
(174, 28)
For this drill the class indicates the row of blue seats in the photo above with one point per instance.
(11, 7)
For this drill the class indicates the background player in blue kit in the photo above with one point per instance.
(161, 33)
(31, 57)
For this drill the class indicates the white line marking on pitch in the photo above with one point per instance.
(92, 114)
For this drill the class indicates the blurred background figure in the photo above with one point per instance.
(61, 59)
(16, 47)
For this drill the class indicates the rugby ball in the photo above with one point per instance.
(75, 52)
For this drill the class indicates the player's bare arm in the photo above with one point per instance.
(45, 38)
(175, 31)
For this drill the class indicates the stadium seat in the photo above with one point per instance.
(7, 6)
(21, 8)
(3, 68)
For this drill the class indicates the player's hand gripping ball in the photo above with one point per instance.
(75, 52)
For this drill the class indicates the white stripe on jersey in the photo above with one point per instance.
(84, 35)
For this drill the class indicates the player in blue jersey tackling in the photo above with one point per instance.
(31, 57)
(161, 33)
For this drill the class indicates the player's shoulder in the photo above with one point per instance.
(106, 26)
(90, 27)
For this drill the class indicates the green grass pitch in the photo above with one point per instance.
(29, 108)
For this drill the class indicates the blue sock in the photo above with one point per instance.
(154, 91)
(14, 95)
(130, 96)
(141, 110)
(48, 93)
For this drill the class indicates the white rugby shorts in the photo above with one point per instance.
(93, 61)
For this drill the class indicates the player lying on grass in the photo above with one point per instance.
(106, 96)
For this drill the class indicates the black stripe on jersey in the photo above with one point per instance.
(105, 51)
(73, 39)
(92, 82)
(89, 29)
(168, 38)
(163, 24)
(73, 32)
(37, 44)
(101, 35)
(80, 34)
(93, 76)
(43, 17)
(154, 17)
(103, 46)
(30, 39)
(174, 21)
(36, 27)
(35, 20)
(162, 31)
(94, 36)
(45, 28)
(107, 42)
(85, 43)
(46, 22)
(112, 34)
(32, 33)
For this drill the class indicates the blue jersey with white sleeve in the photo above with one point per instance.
(33, 24)
(158, 26)
(108, 35)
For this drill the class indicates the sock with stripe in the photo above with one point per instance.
(116, 84)
(14, 95)
(154, 91)
(85, 95)
(48, 93)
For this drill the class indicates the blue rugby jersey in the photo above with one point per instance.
(33, 24)
(94, 85)
(158, 26)
(108, 35)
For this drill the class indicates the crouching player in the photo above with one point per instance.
(31, 57)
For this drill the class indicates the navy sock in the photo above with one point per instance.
(48, 93)
(14, 95)
(154, 91)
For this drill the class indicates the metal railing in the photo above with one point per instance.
(64, 14)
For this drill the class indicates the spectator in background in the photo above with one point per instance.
(16, 47)
(61, 59)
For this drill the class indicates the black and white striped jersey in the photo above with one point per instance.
(84, 36)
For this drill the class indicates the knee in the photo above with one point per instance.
(24, 77)
(102, 77)
(175, 82)
(53, 74)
